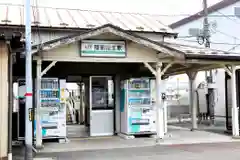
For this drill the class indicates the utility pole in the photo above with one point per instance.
(28, 94)
(206, 25)
(209, 79)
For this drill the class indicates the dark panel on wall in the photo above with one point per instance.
(65, 69)
(228, 98)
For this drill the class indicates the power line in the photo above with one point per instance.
(215, 30)
(186, 36)
(149, 14)
(233, 20)
(229, 17)
(236, 45)
(233, 48)
(187, 15)
(228, 35)
(222, 43)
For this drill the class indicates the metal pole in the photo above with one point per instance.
(10, 104)
(38, 119)
(206, 25)
(207, 45)
(28, 95)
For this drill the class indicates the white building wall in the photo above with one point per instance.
(220, 93)
(225, 35)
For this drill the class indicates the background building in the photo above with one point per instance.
(224, 20)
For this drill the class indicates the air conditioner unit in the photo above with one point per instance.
(195, 32)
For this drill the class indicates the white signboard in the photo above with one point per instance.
(96, 48)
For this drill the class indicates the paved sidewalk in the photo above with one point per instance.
(44, 158)
(177, 136)
(220, 151)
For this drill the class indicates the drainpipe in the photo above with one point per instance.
(10, 103)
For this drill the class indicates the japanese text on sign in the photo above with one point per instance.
(103, 48)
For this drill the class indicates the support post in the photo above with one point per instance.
(158, 106)
(28, 95)
(117, 103)
(161, 104)
(193, 99)
(235, 116)
(82, 107)
(165, 108)
(38, 105)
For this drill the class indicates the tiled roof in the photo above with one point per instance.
(76, 18)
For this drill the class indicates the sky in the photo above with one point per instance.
(140, 6)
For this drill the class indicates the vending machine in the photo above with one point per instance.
(52, 108)
(137, 112)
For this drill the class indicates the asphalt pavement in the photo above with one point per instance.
(218, 151)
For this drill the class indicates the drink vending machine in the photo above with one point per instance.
(52, 108)
(137, 112)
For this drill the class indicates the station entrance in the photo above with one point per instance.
(91, 111)
(93, 106)
(92, 102)
(109, 56)
(101, 108)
